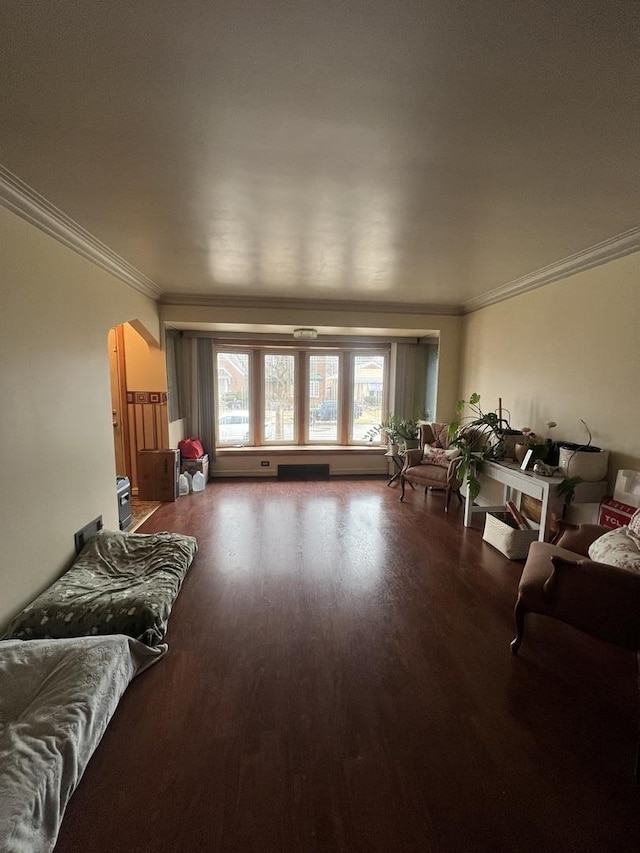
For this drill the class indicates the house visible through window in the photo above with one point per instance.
(234, 398)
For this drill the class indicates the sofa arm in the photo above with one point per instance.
(602, 600)
(578, 537)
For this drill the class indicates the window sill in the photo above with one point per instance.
(288, 449)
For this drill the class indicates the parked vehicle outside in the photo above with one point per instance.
(234, 427)
(328, 410)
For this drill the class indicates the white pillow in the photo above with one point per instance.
(450, 453)
(616, 548)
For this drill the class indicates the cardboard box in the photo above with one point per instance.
(614, 513)
(627, 487)
(191, 466)
(585, 513)
(588, 493)
(158, 475)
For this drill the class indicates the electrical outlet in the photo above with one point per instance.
(265, 463)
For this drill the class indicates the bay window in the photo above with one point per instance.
(296, 396)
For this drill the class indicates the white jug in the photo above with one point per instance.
(183, 485)
(198, 482)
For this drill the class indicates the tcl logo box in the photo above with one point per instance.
(615, 514)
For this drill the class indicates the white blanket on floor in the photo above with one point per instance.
(56, 699)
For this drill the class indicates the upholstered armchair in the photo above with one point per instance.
(590, 579)
(433, 463)
(561, 580)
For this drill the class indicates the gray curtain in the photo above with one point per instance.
(196, 383)
(409, 399)
(174, 403)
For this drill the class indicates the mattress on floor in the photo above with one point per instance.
(121, 583)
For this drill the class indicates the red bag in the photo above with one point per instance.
(190, 448)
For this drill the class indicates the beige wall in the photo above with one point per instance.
(56, 443)
(177, 431)
(145, 363)
(566, 351)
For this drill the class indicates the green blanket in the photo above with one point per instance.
(121, 583)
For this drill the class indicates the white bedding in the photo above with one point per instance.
(56, 699)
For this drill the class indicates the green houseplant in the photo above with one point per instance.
(409, 432)
(481, 437)
(567, 489)
(543, 447)
(388, 428)
(397, 430)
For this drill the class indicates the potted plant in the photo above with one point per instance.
(409, 432)
(529, 440)
(397, 431)
(481, 438)
(584, 461)
(387, 428)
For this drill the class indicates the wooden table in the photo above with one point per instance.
(517, 483)
(398, 461)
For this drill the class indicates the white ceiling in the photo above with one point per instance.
(422, 152)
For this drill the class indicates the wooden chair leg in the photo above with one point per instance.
(519, 614)
(402, 481)
(447, 498)
(459, 496)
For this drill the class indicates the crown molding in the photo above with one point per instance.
(25, 202)
(608, 250)
(284, 303)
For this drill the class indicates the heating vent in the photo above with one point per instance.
(303, 472)
(88, 532)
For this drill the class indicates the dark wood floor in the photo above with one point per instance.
(339, 679)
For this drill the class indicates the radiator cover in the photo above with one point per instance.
(303, 472)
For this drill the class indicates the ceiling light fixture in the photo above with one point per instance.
(305, 334)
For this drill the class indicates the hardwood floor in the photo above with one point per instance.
(339, 679)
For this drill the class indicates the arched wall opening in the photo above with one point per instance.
(138, 377)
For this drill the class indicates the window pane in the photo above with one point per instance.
(234, 406)
(279, 398)
(368, 394)
(323, 405)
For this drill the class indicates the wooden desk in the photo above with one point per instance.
(517, 483)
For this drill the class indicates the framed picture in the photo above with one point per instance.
(527, 459)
